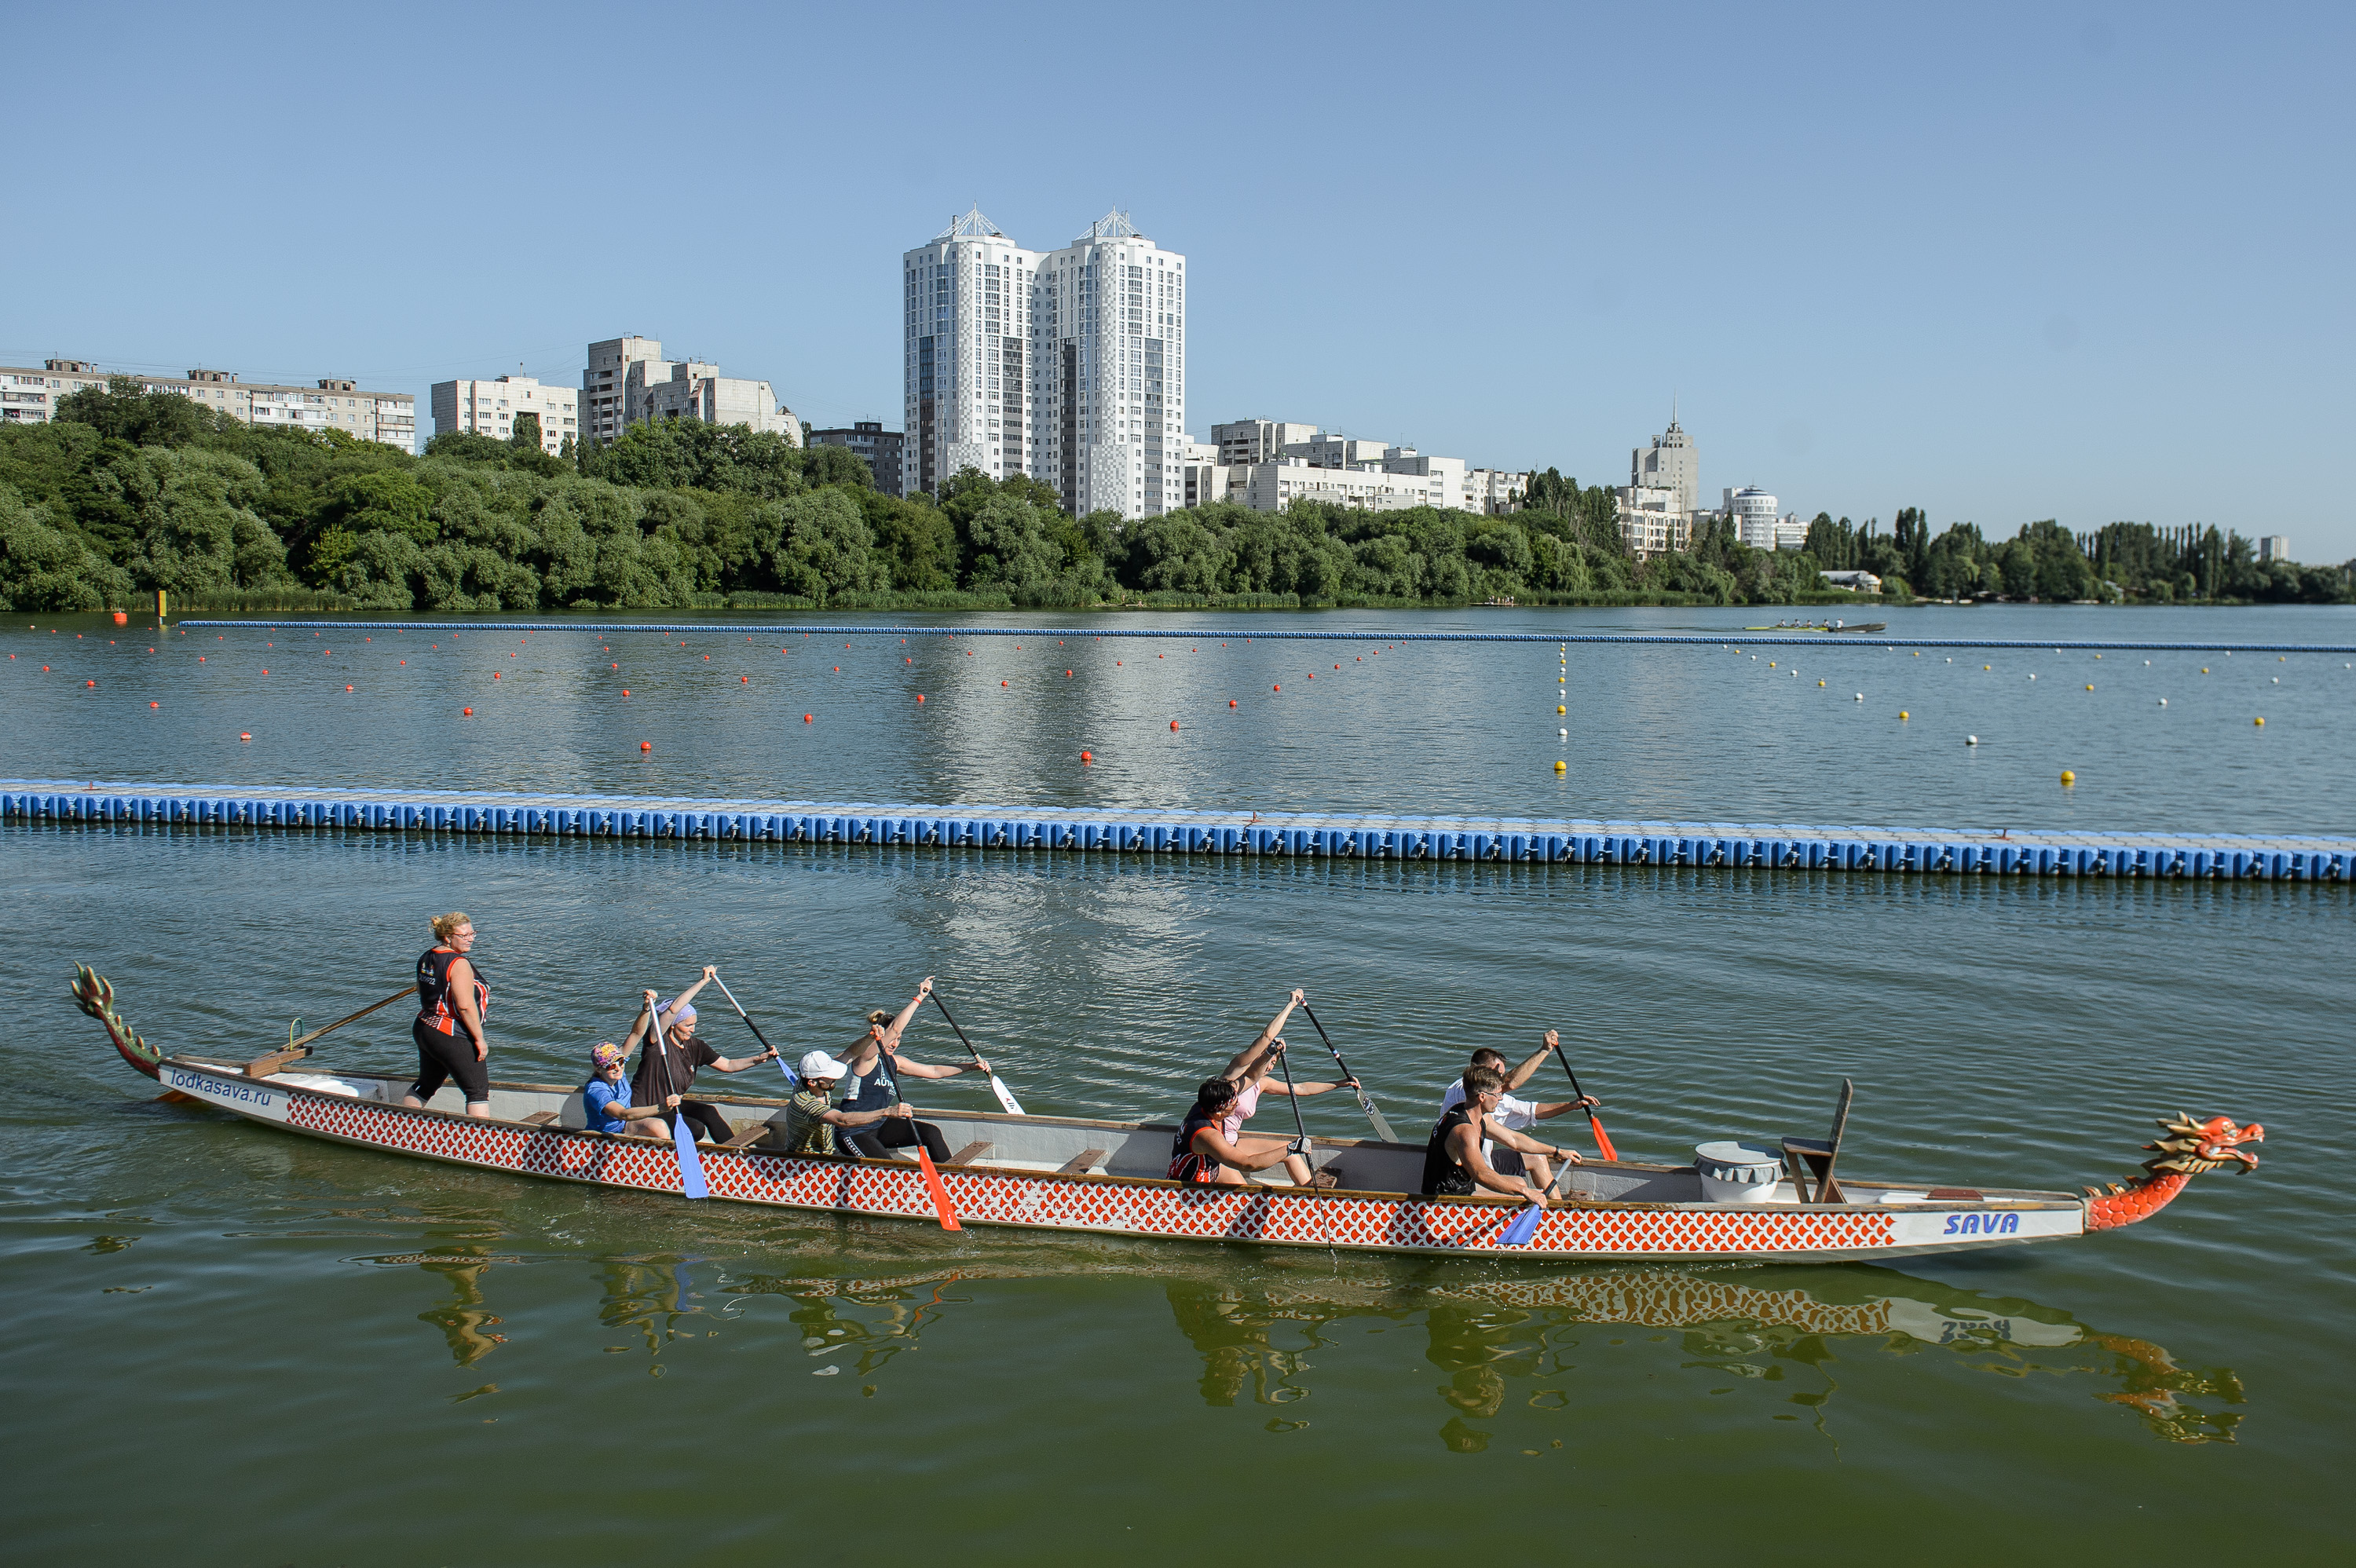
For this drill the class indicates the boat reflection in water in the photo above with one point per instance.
(1484, 1335)
(1260, 1338)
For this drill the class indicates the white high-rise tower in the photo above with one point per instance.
(967, 299)
(1069, 366)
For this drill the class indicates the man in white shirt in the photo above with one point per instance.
(1515, 1114)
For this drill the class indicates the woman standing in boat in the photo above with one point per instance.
(870, 1090)
(451, 997)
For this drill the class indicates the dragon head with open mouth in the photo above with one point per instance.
(2185, 1149)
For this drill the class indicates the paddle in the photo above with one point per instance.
(1525, 1226)
(1366, 1101)
(791, 1082)
(683, 1132)
(1301, 1149)
(1603, 1139)
(933, 1184)
(997, 1084)
(294, 1046)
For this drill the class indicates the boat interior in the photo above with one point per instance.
(1072, 1146)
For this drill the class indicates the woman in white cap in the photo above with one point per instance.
(668, 1066)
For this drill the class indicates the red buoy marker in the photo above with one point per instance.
(468, 713)
(1088, 757)
(645, 745)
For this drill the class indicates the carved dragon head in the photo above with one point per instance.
(2190, 1148)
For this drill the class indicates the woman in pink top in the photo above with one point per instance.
(1257, 1069)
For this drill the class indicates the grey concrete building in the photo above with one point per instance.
(28, 396)
(627, 379)
(870, 439)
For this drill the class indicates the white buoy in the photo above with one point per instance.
(1564, 733)
(1860, 697)
(1971, 740)
(2163, 702)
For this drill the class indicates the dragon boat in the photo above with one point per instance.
(1076, 1174)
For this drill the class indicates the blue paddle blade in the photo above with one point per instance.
(691, 1164)
(791, 1082)
(1525, 1226)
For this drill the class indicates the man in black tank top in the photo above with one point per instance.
(1453, 1166)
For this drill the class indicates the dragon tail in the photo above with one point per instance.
(94, 996)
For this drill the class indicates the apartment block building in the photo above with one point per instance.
(1068, 365)
(490, 407)
(627, 380)
(1383, 477)
(1671, 463)
(1258, 441)
(870, 439)
(30, 396)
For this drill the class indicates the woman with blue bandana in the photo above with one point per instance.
(671, 1058)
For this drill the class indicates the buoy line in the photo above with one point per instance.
(1139, 831)
(1822, 640)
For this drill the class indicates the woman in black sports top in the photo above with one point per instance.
(451, 999)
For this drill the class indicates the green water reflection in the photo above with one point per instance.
(1491, 1342)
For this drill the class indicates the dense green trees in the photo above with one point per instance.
(128, 491)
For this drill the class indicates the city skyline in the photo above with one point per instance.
(1940, 263)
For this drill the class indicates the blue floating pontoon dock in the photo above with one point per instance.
(1139, 831)
(1259, 635)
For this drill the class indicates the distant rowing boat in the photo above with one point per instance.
(1821, 626)
(1076, 1174)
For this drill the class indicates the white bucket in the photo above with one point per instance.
(1737, 1172)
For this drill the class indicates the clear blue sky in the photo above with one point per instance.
(2090, 263)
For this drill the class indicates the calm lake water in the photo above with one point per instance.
(235, 1346)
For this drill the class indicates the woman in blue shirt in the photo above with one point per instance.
(607, 1098)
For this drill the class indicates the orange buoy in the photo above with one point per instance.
(744, 680)
(920, 696)
(805, 717)
(645, 745)
(89, 683)
(1276, 689)
(467, 713)
(1086, 757)
(608, 667)
(1173, 723)
(155, 705)
(626, 691)
(1067, 674)
(1231, 702)
(123, 620)
(495, 674)
(245, 735)
(1001, 683)
(347, 688)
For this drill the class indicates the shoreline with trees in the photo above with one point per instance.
(125, 492)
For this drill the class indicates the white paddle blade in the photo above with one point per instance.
(1005, 1095)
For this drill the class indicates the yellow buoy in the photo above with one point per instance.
(1987, 666)
(1820, 683)
(1903, 714)
(2262, 723)
(2090, 689)
(1561, 767)
(2068, 778)
(2204, 670)
(1559, 708)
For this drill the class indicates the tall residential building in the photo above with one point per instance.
(1068, 365)
(30, 397)
(627, 379)
(1669, 463)
(604, 411)
(1752, 512)
(2273, 547)
(489, 408)
(870, 440)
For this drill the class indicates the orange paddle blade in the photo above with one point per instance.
(1603, 1139)
(940, 1192)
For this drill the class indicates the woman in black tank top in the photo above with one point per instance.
(451, 1000)
(1203, 1152)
